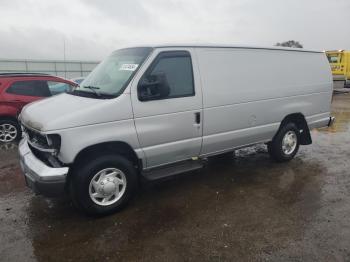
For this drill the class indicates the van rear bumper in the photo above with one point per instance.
(42, 179)
(331, 121)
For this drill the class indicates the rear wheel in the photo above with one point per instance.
(9, 131)
(103, 185)
(285, 144)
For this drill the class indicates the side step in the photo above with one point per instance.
(172, 169)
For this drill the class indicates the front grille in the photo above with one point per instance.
(46, 157)
(40, 155)
(38, 144)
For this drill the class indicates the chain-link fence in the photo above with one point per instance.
(67, 69)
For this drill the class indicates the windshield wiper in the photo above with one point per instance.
(93, 89)
(80, 92)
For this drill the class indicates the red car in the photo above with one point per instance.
(17, 90)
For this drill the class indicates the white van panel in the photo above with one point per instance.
(247, 93)
(232, 76)
(235, 125)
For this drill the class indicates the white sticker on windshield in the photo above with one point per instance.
(128, 67)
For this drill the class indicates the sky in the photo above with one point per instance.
(91, 29)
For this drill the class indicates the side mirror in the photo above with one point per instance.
(153, 87)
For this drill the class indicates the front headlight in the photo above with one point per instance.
(54, 142)
(49, 143)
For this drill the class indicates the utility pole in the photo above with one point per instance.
(64, 57)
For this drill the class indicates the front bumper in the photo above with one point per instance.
(42, 179)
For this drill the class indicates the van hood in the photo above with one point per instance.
(67, 111)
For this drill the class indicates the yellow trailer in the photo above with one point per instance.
(340, 64)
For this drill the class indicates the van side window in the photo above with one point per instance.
(177, 70)
(30, 88)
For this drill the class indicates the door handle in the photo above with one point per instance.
(197, 117)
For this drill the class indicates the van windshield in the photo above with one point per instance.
(111, 76)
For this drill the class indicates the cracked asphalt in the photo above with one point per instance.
(246, 208)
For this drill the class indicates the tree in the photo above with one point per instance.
(290, 43)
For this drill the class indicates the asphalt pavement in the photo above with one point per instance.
(244, 208)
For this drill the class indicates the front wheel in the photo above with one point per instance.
(285, 144)
(103, 185)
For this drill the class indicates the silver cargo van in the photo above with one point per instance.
(158, 111)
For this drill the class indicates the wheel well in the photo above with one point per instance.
(299, 120)
(121, 148)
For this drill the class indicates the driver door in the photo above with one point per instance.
(169, 128)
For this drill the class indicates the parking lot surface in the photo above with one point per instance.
(247, 208)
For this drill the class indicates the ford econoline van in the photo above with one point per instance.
(158, 111)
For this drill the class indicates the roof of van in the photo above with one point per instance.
(234, 46)
(337, 51)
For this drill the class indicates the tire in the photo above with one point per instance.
(278, 148)
(10, 131)
(82, 188)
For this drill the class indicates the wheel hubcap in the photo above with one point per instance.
(289, 142)
(8, 132)
(107, 186)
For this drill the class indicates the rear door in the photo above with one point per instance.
(170, 129)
